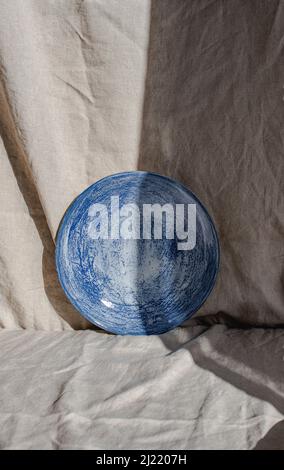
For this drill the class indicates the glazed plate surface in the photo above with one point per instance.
(128, 262)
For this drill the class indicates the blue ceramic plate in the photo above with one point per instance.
(137, 253)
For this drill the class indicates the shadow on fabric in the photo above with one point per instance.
(202, 99)
(273, 440)
(17, 158)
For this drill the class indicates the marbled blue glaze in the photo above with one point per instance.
(141, 286)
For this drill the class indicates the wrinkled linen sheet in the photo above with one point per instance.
(194, 388)
(192, 90)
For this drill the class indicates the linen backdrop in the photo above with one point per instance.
(193, 90)
(189, 89)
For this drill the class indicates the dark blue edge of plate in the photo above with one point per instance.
(78, 199)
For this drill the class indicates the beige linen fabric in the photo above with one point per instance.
(192, 90)
(189, 389)
(72, 77)
(213, 119)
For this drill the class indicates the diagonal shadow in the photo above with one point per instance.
(273, 440)
(167, 124)
(16, 154)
